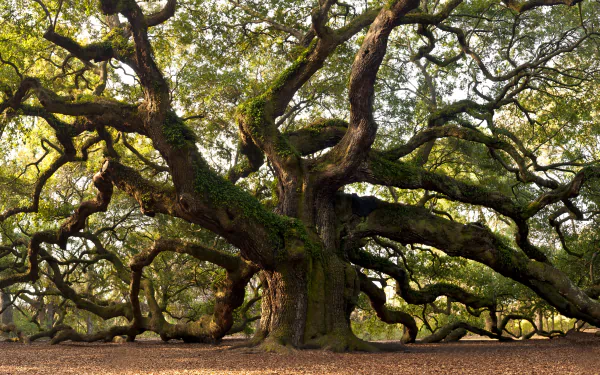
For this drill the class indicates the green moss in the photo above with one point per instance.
(254, 109)
(474, 191)
(318, 126)
(117, 42)
(388, 170)
(253, 114)
(146, 198)
(91, 98)
(292, 69)
(176, 132)
(283, 147)
(103, 48)
(256, 112)
(509, 259)
(286, 233)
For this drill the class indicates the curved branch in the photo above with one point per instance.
(448, 330)
(427, 294)
(162, 15)
(523, 6)
(408, 225)
(378, 300)
(229, 296)
(317, 136)
(355, 144)
(72, 225)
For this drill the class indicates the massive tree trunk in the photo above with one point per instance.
(308, 304)
(310, 294)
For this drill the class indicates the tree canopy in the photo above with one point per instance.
(188, 167)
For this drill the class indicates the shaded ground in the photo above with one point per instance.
(579, 354)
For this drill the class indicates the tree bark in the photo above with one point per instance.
(89, 325)
(302, 307)
(7, 315)
(50, 310)
(491, 322)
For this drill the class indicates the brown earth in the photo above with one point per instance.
(576, 354)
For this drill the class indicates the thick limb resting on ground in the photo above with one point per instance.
(407, 224)
(229, 294)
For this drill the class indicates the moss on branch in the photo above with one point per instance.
(176, 132)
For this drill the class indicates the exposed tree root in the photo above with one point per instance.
(261, 344)
(341, 342)
(335, 342)
(274, 345)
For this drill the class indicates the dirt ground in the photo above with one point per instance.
(579, 354)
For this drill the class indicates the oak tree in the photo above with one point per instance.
(307, 149)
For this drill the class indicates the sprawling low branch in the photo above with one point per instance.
(378, 301)
(229, 296)
(212, 202)
(381, 171)
(446, 332)
(427, 294)
(415, 225)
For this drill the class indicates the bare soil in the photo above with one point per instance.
(575, 354)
